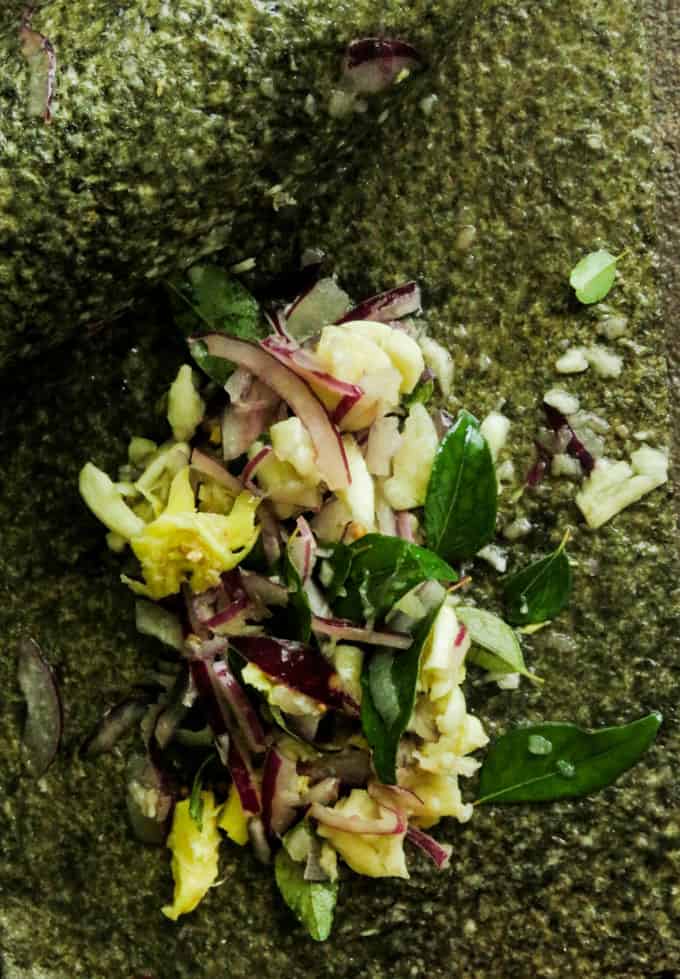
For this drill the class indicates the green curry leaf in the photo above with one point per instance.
(208, 298)
(312, 902)
(379, 570)
(593, 276)
(540, 591)
(578, 762)
(388, 683)
(495, 646)
(461, 500)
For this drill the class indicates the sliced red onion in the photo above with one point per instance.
(389, 823)
(440, 853)
(330, 454)
(280, 794)
(252, 467)
(194, 610)
(442, 422)
(116, 722)
(302, 550)
(395, 797)
(372, 64)
(243, 710)
(317, 600)
(208, 466)
(344, 629)
(460, 637)
(37, 45)
(259, 841)
(307, 366)
(324, 792)
(243, 776)
(343, 407)
(352, 766)
(252, 408)
(44, 712)
(575, 447)
(384, 439)
(405, 526)
(149, 800)
(298, 666)
(322, 302)
(277, 321)
(314, 872)
(236, 607)
(271, 532)
(386, 306)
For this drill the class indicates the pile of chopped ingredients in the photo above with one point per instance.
(297, 547)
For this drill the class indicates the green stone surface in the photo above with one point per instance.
(178, 129)
(540, 138)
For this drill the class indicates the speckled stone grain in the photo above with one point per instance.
(541, 138)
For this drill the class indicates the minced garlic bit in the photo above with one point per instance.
(613, 486)
(579, 359)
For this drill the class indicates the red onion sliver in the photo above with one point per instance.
(306, 365)
(44, 712)
(574, 446)
(280, 795)
(244, 712)
(302, 550)
(116, 722)
(324, 792)
(386, 306)
(253, 465)
(344, 629)
(242, 774)
(373, 64)
(230, 612)
(440, 853)
(389, 823)
(298, 666)
(405, 526)
(210, 467)
(258, 840)
(395, 797)
(330, 454)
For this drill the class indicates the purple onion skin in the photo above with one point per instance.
(298, 666)
(435, 851)
(44, 710)
(278, 773)
(115, 723)
(242, 775)
(386, 306)
(376, 48)
(556, 420)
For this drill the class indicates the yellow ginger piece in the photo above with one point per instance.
(194, 855)
(183, 545)
(233, 819)
(373, 856)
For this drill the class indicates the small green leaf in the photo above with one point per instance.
(208, 299)
(196, 800)
(500, 650)
(461, 501)
(312, 902)
(578, 763)
(540, 591)
(388, 682)
(593, 276)
(379, 570)
(421, 394)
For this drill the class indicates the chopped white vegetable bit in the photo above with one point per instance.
(574, 361)
(505, 681)
(495, 429)
(359, 496)
(565, 465)
(412, 463)
(185, 405)
(578, 359)
(560, 399)
(495, 556)
(519, 527)
(612, 486)
(440, 362)
(603, 361)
